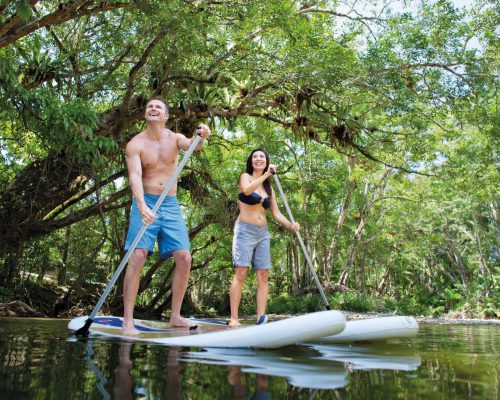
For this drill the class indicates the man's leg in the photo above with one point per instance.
(240, 274)
(130, 288)
(182, 260)
(123, 388)
(262, 291)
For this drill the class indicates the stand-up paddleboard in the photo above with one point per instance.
(374, 329)
(212, 334)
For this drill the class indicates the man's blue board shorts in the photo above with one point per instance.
(168, 228)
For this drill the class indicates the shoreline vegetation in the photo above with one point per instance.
(19, 309)
(46, 299)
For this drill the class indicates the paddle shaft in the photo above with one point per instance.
(166, 189)
(299, 237)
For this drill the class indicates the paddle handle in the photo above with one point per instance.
(299, 237)
(128, 254)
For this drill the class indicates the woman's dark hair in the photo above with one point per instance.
(249, 170)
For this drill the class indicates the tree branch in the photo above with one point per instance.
(13, 30)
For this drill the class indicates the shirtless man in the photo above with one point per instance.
(251, 241)
(152, 157)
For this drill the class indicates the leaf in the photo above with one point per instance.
(24, 10)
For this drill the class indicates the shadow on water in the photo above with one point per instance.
(38, 359)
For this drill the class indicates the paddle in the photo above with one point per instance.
(85, 328)
(306, 255)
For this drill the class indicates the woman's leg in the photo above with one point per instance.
(240, 274)
(262, 291)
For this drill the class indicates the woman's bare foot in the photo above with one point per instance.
(234, 323)
(182, 322)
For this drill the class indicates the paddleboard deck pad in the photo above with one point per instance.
(213, 333)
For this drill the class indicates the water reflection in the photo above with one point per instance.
(235, 378)
(301, 366)
(101, 380)
(122, 382)
(307, 367)
(38, 360)
(315, 366)
(174, 375)
(376, 356)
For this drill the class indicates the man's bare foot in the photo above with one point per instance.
(182, 322)
(234, 323)
(129, 329)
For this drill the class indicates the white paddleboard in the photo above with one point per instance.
(211, 334)
(374, 329)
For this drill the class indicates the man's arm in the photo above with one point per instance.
(134, 167)
(183, 143)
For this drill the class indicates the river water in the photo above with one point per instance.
(39, 359)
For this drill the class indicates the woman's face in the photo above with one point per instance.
(259, 160)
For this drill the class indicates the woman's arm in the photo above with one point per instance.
(280, 218)
(247, 186)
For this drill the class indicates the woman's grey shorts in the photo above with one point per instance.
(251, 243)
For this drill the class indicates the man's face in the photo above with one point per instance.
(156, 111)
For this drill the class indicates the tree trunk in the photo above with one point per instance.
(494, 206)
(38, 194)
(362, 282)
(343, 278)
(484, 267)
(295, 269)
(383, 281)
(11, 263)
(332, 248)
(369, 200)
(455, 258)
(61, 273)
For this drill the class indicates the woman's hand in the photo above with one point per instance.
(272, 169)
(294, 227)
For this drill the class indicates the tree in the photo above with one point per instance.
(368, 85)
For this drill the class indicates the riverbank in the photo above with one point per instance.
(445, 320)
(19, 309)
(427, 320)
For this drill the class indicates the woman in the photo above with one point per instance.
(251, 241)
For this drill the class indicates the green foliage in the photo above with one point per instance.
(336, 101)
(286, 304)
(411, 306)
(5, 294)
(352, 301)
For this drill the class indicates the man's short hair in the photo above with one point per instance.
(160, 99)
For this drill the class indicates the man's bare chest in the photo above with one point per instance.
(154, 155)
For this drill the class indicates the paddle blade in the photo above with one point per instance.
(84, 330)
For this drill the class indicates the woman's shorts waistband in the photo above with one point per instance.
(249, 226)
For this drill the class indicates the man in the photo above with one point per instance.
(152, 157)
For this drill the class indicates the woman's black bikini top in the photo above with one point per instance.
(254, 198)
